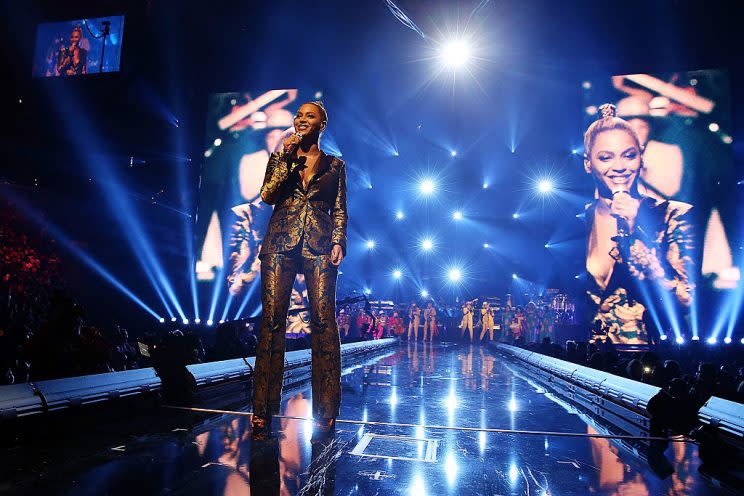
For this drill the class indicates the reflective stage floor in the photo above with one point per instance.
(174, 452)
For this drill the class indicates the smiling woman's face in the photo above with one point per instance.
(615, 161)
(308, 120)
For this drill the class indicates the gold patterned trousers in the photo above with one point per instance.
(278, 273)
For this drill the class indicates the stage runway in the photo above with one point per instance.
(447, 386)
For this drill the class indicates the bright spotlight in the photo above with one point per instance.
(742, 341)
(514, 276)
(397, 274)
(485, 185)
(222, 321)
(162, 319)
(370, 244)
(455, 54)
(217, 142)
(486, 245)
(427, 244)
(727, 340)
(424, 293)
(547, 245)
(427, 186)
(575, 151)
(209, 322)
(173, 319)
(454, 274)
(711, 340)
(457, 215)
(663, 337)
(399, 215)
(696, 338)
(680, 340)
(453, 153)
(515, 215)
(197, 321)
(367, 291)
(185, 321)
(545, 186)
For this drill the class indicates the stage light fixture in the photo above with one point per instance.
(367, 291)
(663, 337)
(397, 274)
(185, 321)
(210, 322)
(197, 321)
(427, 186)
(711, 340)
(222, 321)
(486, 245)
(457, 215)
(427, 244)
(399, 215)
(162, 319)
(680, 340)
(696, 338)
(217, 142)
(424, 293)
(453, 153)
(515, 215)
(173, 319)
(727, 340)
(370, 244)
(741, 340)
(455, 53)
(514, 276)
(547, 245)
(545, 186)
(485, 185)
(454, 274)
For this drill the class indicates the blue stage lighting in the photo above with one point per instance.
(680, 340)
(424, 293)
(370, 244)
(696, 338)
(397, 274)
(514, 276)
(457, 215)
(663, 337)
(711, 340)
(486, 245)
(741, 340)
(727, 340)
(427, 186)
(400, 215)
(222, 321)
(515, 215)
(217, 142)
(162, 319)
(185, 321)
(453, 153)
(427, 244)
(547, 245)
(210, 322)
(454, 274)
(173, 319)
(197, 321)
(545, 186)
(485, 185)
(367, 291)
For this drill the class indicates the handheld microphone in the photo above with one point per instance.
(623, 228)
(292, 149)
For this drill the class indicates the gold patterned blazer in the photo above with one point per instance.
(318, 216)
(662, 253)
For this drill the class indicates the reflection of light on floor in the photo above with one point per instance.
(394, 397)
(512, 405)
(513, 472)
(307, 425)
(417, 487)
(482, 441)
(450, 466)
(451, 401)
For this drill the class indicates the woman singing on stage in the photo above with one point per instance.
(306, 234)
(639, 249)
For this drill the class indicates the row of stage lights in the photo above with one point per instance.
(710, 340)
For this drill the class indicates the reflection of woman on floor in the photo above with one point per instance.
(636, 245)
